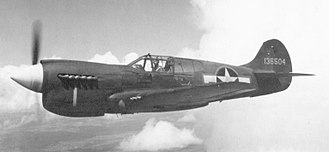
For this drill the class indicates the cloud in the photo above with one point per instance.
(129, 57)
(236, 29)
(53, 57)
(20, 105)
(161, 135)
(293, 120)
(13, 97)
(189, 53)
(188, 117)
(107, 58)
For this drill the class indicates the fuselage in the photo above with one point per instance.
(148, 84)
(115, 88)
(152, 83)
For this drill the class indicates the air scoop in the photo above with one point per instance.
(30, 77)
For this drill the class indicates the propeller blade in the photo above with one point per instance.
(36, 38)
(36, 41)
(38, 112)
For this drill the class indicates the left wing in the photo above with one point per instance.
(139, 94)
(234, 94)
(184, 97)
(157, 100)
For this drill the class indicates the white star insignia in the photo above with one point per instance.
(227, 77)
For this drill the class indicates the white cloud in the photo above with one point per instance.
(130, 57)
(189, 53)
(17, 100)
(107, 58)
(13, 97)
(293, 120)
(235, 30)
(161, 135)
(188, 117)
(53, 57)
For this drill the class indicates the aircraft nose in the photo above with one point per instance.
(30, 77)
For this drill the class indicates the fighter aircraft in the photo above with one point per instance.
(152, 83)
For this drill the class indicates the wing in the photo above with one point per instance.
(157, 100)
(233, 94)
(142, 93)
(151, 100)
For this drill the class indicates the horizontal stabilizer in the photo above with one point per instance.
(280, 74)
(293, 74)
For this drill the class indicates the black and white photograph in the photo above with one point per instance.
(164, 76)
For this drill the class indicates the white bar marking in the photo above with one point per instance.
(209, 78)
(244, 80)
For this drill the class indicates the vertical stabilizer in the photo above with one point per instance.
(271, 61)
(272, 56)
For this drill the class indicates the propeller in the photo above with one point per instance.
(31, 77)
(36, 38)
(36, 41)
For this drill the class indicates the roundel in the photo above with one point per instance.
(226, 74)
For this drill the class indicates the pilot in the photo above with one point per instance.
(168, 66)
(159, 69)
(155, 64)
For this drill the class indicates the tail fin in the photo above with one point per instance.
(272, 67)
(272, 56)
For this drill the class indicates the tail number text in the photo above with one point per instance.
(274, 61)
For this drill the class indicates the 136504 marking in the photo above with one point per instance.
(274, 61)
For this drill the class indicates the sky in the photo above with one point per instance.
(224, 31)
(81, 29)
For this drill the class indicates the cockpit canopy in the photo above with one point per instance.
(167, 64)
(153, 63)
